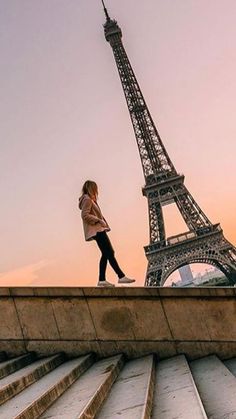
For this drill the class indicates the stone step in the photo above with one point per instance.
(85, 397)
(3, 356)
(132, 394)
(19, 380)
(175, 391)
(216, 386)
(36, 399)
(14, 364)
(231, 365)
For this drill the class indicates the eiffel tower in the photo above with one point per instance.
(204, 242)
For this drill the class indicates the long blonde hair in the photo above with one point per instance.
(90, 188)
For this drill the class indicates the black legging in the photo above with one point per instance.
(107, 250)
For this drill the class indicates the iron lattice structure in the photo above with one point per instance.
(204, 242)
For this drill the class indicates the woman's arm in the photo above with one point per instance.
(85, 212)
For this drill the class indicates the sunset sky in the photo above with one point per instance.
(64, 120)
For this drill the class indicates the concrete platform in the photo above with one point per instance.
(134, 321)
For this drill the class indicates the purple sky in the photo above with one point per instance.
(64, 119)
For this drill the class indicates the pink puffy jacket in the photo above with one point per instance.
(92, 217)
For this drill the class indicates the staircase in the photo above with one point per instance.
(114, 387)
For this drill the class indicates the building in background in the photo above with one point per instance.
(211, 277)
(186, 275)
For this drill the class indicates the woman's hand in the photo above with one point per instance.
(102, 222)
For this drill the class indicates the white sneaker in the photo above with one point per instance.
(125, 280)
(105, 284)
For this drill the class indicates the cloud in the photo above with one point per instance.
(23, 276)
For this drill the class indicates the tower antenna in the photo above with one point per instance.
(105, 10)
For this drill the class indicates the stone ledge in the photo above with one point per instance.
(136, 321)
(117, 292)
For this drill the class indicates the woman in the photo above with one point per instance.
(95, 228)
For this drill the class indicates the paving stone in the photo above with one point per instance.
(18, 381)
(85, 397)
(131, 395)
(12, 365)
(231, 365)
(33, 401)
(216, 386)
(175, 391)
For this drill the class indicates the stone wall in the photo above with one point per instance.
(133, 321)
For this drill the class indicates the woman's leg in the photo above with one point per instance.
(102, 268)
(103, 260)
(108, 252)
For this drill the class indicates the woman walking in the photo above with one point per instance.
(96, 228)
